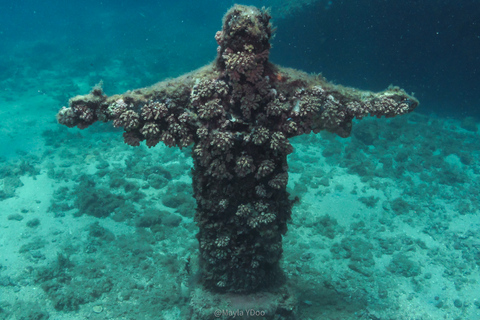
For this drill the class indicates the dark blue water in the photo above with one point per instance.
(428, 47)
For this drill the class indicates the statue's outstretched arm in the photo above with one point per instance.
(157, 113)
(313, 104)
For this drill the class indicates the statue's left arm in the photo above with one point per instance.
(316, 105)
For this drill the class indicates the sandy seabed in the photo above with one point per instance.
(386, 227)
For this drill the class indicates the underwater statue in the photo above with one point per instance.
(238, 113)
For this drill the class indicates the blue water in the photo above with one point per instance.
(53, 50)
(428, 47)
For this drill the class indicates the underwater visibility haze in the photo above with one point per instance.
(313, 160)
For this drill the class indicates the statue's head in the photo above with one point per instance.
(245, 28)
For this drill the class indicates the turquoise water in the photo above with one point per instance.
(387, 226)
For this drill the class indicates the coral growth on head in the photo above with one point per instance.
(239, 113)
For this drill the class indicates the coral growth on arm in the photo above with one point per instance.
(157, 113)
(238, 112)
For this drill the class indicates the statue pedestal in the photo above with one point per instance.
(278, 303)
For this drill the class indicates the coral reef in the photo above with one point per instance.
(239, 113)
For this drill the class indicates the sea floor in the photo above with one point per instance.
(387, 225)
